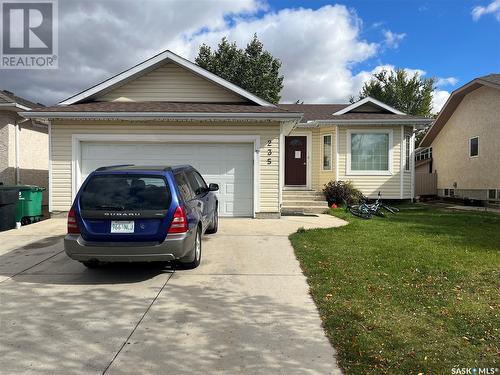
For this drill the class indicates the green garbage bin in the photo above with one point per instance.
(29, 204)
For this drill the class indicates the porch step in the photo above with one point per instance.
(303, 195)
(302, 210)
(303, 201)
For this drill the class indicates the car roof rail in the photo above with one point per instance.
(113, 166)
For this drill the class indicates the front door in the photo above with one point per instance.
(296, 160)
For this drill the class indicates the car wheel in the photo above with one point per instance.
(214, 225)
(193, 259)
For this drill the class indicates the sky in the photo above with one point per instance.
(328, 49)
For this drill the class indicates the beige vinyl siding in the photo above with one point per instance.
(370, 185)
(171, 82)
(319, 176)
(62, 131)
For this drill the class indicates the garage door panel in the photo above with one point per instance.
(228, 165)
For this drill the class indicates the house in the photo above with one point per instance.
(24, 144)
(169, 110)
(464, 142)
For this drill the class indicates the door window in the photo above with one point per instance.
(183, 186)
(196, 182)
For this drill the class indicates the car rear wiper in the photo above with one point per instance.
(110, 207)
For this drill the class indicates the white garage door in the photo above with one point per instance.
(229, 165)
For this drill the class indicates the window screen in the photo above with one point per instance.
(474, 146)
(370, 152)
(327, 152)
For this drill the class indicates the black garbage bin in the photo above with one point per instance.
(8, 201)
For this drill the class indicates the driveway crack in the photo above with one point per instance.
(138, 323)
(30, 267)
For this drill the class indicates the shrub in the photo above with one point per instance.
(340, 191)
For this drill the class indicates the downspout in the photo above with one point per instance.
(18, 149)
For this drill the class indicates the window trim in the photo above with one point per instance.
(470, 139)
(407, 152)
(389, 171)
(497, 196)
(323, 152)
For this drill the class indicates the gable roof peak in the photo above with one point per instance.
(149, 65)
(368, 100)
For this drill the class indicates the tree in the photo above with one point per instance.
(409, 94)
(253, 68)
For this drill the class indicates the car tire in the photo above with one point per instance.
(91, 264)
(214, 225)
(193, 259)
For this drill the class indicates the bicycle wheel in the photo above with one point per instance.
(359, 212)
(391, 209)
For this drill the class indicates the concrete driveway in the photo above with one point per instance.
(246, 309)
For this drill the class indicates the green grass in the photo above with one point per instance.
(415, 292)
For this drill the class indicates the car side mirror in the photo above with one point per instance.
(213, 187)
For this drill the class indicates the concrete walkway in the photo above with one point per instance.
(246, 309)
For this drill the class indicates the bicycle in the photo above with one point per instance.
(367, 210)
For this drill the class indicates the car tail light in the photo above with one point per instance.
(179, 222)
(72, 223)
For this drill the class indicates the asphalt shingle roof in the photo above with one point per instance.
(158, 106)
(326, 112)
(9, 97)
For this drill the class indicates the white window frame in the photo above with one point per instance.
(350, 172)
(470, 139)
(407, 147)
(496, 194)
(323, 152)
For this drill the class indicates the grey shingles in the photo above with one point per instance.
(158, 106)
(9, 97)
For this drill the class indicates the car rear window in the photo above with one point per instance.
(125, 192)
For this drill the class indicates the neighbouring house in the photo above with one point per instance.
(24, 144)
(463, 142)
(168, 110)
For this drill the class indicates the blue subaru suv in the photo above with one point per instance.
(131, 213)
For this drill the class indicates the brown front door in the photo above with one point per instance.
(295, 160)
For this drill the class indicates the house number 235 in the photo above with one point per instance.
(269, 151)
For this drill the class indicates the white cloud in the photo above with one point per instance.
(392, 40)
(318, 49)
(491, 8)
(452, 81)
(439, 97)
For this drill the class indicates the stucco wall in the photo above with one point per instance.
(477, 115)
(33, 153)
(7, 158)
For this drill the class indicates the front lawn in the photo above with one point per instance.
(416, 292)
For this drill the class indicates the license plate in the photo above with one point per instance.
(122, 227)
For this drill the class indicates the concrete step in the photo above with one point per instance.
(301, 209)
(305, 203)
(302, 192)
(296, 197)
